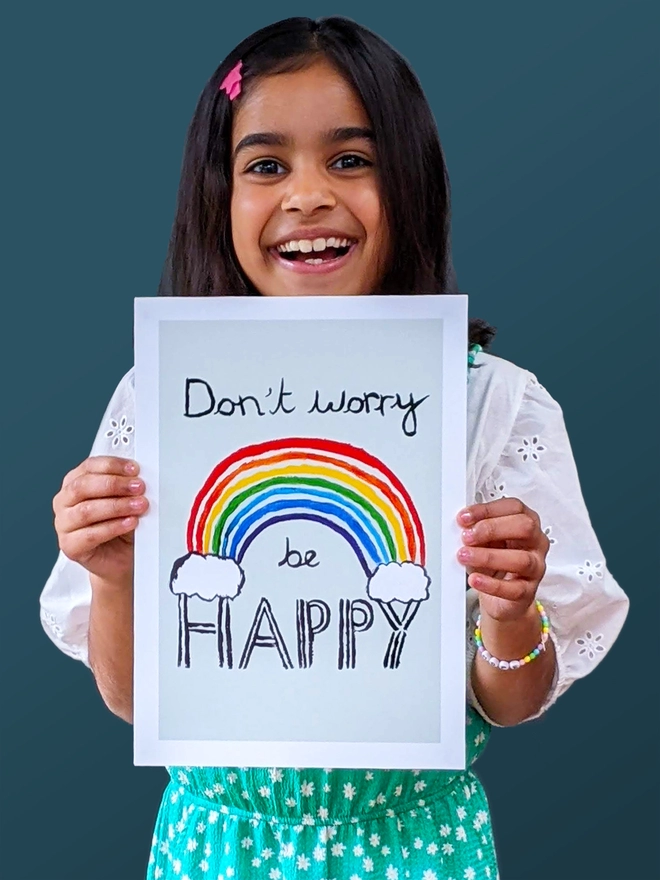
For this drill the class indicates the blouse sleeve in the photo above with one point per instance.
(66, 597)
(586, 606)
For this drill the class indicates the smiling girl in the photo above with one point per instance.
(313, 167)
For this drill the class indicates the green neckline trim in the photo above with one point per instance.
(473, 351)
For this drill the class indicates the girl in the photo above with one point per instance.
(313, 167)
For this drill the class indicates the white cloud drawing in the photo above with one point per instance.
(402, 582)
(207, 576)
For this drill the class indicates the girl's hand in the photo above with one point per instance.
(96, 512)
(504, 551)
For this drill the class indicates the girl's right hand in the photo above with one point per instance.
(96, 513)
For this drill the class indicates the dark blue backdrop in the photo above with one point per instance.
(549, 121)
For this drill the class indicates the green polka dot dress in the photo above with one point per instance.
(281, 824)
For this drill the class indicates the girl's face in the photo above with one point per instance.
(306, 212)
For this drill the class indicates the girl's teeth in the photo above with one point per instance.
(306, 246)
(314, 262)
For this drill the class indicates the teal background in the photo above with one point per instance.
(548, 116)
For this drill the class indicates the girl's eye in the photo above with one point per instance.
(351, 160)
(266, 167)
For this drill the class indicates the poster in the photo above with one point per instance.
(297, 597)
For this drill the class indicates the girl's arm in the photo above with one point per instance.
(86, 604)
(561, 564)
(111, 643)
(96, 513)
(511, 697)
(504, 549)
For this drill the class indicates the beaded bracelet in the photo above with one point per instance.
(515, 664)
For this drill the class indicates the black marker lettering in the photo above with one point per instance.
(256, 640)
(409, 421)
(330, 407)
(367, 396)
(295, 559)
(400, 626)
(349, 624)
(223, 633)
(241, 403)
(353, 403)
(222, 411)
(310, 556)
(209, 392)
(381, 405)
(280, 401)
(306, 629)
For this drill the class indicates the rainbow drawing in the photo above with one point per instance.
(325, 481)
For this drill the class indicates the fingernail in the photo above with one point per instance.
(135, 485)
(136, 503)
(466, 517)
(464, 554)
(130, 468)
(468, 535)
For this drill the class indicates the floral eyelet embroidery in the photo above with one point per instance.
(492, 490)
(548, 533)
(535, 382)
(51, 620)
(591, 570)
(531, 448)
(590, 645)
(120, 432)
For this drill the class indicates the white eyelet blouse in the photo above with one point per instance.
(517, 447)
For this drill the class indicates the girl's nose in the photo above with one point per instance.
(307, 192)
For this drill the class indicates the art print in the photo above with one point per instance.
(298, 602)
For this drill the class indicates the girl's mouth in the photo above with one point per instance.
(314, 255)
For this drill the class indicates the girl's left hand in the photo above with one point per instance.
(504, 551)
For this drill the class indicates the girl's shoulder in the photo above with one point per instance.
(499, 383)
(125, 390)
(503, 400)
(128, 379)
(119, 417)
(499, 369)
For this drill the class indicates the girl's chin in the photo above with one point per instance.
(310, 290)
(305, 285)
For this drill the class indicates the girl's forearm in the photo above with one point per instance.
(111, 644)
(509, 697)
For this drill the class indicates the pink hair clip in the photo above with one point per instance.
(231, 84)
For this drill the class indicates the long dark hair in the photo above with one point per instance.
(412, 173)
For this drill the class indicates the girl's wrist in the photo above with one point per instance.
(511, 639)
(105, 586)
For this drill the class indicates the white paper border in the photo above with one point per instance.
(149, 749)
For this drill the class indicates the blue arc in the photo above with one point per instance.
(295, 507)
(311, 517)
(303, 494)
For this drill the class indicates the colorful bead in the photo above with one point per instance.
(506, 665)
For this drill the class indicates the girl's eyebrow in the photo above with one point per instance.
(261, 139)
(350, 133)
(276, 139)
